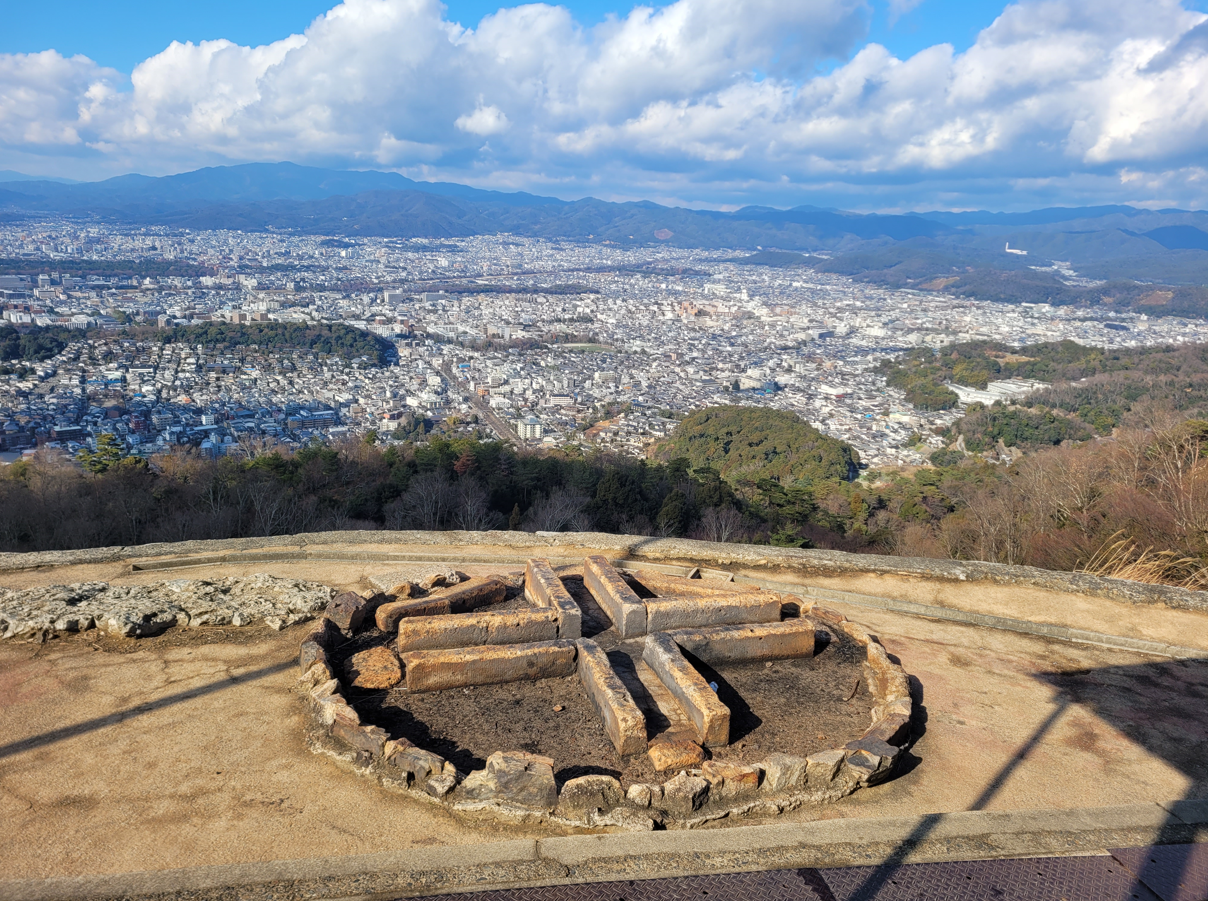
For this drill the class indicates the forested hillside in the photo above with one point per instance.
(1135, 506)
(752, 443)
(1092, 389)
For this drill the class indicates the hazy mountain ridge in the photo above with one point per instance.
(964, 253)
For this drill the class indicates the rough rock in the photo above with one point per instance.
(370, 739)
(439, 786)
(374, 668)
(348, 610)
(685, 794)
(784, 772)
(417, 762)
(881, 754)
(596, 792)
(892, 729)
(513, 779)
(642, 795)
(137, 611)
(729, 780)
(309, 654)
(435, 580)
(675, 753)
(821, 768)
(316, 675)
(864, 768)
(622, 817)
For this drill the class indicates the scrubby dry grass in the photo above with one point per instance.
(1123, 558)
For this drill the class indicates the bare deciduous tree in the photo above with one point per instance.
(559, 510)
(720, 524)
(472, 510)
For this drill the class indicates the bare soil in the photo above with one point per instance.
(797, 706)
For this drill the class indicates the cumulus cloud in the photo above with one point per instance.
(698, 99)
(485, 120)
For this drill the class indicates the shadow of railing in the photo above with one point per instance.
(1150, 703)
(121, 716)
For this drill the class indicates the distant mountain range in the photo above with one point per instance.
(943, 251)
(385, 204)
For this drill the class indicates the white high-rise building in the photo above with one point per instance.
(530, 428)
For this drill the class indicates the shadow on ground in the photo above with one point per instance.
(1148, 702)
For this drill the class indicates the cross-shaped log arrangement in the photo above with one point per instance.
(641, 645)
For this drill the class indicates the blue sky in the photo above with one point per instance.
(122, 33)
(862, 104)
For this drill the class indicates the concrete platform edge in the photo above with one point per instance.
(970, 835)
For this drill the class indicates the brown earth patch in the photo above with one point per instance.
(1157, 298)
(798, 706)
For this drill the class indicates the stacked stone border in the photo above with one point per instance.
(520, 787)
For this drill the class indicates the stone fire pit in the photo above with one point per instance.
(627, 700)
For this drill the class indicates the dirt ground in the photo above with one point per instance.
(796, 706)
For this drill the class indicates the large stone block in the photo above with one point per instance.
(515, 779)
(669, 753)
(696, 612)
(623, 720)
(596, 792)
(613, 594)
(471, 594)
(439, 670)
(728, 781)
(736, 644)
(347, 611)
(426, 633)
(543, 588)
(374, 668)
(822, 768)
(685, 794)
(708, 714)
(461, 598)
(784, 772)
(391, 613)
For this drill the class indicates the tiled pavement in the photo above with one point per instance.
(1163, 873)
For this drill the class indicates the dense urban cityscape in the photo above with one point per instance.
(543, 342)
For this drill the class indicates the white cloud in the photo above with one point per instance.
(700, 98)
(485, 120)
